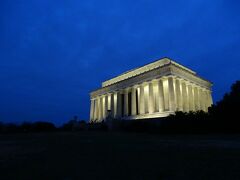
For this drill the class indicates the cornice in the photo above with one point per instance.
(166, 70)
(142, 70)
(190, 77)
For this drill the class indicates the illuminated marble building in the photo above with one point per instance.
(154, 90)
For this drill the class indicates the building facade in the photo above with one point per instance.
(154, 90)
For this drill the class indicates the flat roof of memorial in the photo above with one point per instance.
(145, 68)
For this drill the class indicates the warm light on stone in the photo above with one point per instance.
(154, 90)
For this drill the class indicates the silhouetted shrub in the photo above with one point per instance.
(74, 125)
(69, 125)
(43, 127)
(100, 126)
(10, 128)
(26, 127)
(192, 122)
(1, 127)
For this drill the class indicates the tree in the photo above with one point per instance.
(74, 125)
(41, 126)
(225, 113)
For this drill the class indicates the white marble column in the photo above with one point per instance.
(109, 101)
(151, 98)
(166, 93)
(146, 97)
(206, 102)
(160, 96)
(126, 102)
(155, 95)
(201, 97)
(179, 95)
(193, 97)
(190, 97)
(172, 102)
(185, 97)
(103, 107)
(119, 105)
(95, 109)
(196, 99)
(91, 110)
(141, 100)
(115, 104)
(100, 109)
(210, 101)
(106, 106)
(134, 102)
(138, 101)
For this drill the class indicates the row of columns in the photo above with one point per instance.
(165, 94)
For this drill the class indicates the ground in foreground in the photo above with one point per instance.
(104, 155)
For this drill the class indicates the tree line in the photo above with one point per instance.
(43, 126)
(223, 117)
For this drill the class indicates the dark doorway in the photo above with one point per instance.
(129, 104)
(137, 111)
(122, 105)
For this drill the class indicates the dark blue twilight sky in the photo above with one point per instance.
(53, 53)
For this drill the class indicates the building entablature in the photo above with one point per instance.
(170, 69)
(144, 69)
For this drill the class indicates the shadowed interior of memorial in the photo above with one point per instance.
(154, 90)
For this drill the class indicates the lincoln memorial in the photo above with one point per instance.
(154, 90)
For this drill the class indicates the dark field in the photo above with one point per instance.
(99, 155)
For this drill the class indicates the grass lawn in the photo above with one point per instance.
(113, 156)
